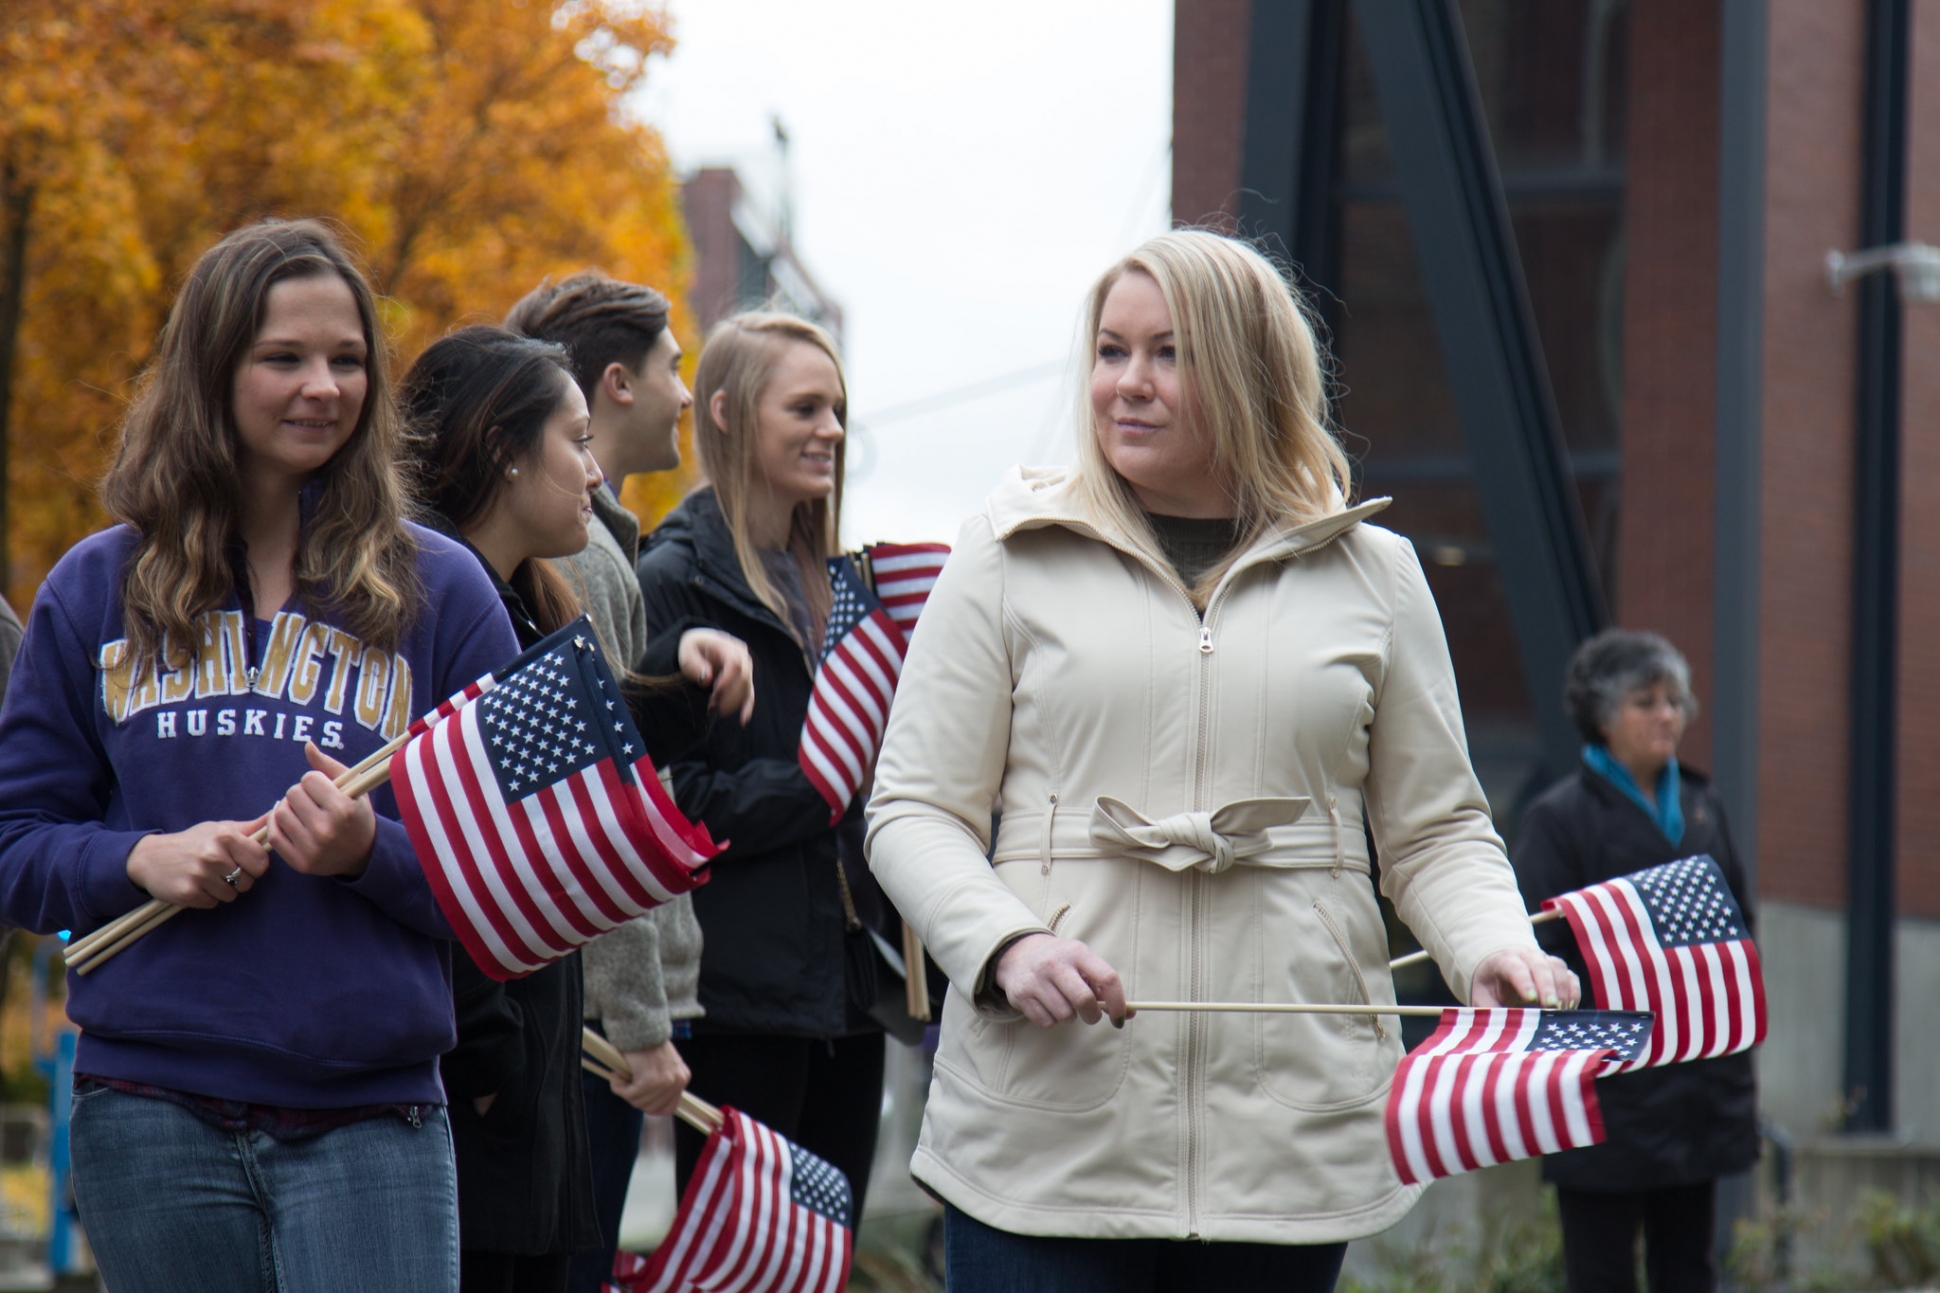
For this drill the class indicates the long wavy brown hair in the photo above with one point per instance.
(176, 480)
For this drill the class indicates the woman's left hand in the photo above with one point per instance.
(711, 658)
(318, 829)
(1523, 976)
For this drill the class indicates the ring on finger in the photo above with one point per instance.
(233, 876)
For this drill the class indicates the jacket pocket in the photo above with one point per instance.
(1073, 1066)
(1307, 954)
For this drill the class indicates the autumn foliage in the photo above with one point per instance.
(469, 148)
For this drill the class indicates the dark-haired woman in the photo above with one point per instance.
(256, 1097)
(641, 977)
(1672, 1131)
(500, 430)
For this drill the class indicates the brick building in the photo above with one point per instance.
(743, 257)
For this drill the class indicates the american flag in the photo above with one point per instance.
(760, 1215)
(1492, 1086)
(849, 707)
(536, 815)
(1672, 940)
(904, 574)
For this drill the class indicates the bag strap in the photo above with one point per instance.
(848, 899)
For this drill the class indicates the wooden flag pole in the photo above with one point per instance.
(1281, 1008)
(89, 953)
(916, 983)
(1416, 958)
(604, 1058)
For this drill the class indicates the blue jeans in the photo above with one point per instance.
(982, 1259)
(174, 1205)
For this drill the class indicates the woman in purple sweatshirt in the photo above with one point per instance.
(256, 1102)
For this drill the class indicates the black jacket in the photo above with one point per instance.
(772, 960)
(1676, 1125)
(525, 1170)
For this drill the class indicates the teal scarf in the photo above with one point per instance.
(1668, 814)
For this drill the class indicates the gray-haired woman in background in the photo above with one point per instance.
(1673, 1131)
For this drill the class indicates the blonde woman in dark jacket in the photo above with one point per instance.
(782, 1039)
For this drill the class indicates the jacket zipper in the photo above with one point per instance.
(1200, 790)
(1195, 1022)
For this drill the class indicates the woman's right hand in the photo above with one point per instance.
(711, 658)
(659, 1076)
(1051, 979)
(187, 868)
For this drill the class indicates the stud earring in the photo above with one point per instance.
(513, 471)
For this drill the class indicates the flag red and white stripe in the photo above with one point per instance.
(538, 819)
(1671, 940)
(1492, 1086)
(867, 637)
(904, 574)
(760, 1215)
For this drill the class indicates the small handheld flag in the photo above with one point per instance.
(1671, 939)
(1492, 1086)
(862, 657)
(535, 812)
(903, 574)
(760, 1215)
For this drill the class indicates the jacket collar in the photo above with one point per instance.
(623, 525)
(524, 626)
(1036, 498)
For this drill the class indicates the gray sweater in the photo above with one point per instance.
(644, 974)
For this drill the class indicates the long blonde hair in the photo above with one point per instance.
(739, 360)
(1253, 374)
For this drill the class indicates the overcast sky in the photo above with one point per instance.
(960, 176)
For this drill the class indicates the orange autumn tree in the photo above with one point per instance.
(468, 147)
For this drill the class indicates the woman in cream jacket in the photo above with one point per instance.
(1186, 673)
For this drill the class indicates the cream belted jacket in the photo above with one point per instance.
(1188, 799)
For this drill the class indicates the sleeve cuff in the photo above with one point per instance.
(107, 892)
(395, 882)
(638, 1032)
(987, 998)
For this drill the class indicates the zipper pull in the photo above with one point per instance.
(1205, 639)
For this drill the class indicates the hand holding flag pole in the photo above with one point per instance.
(603, 1059)
(533, 809)
(90, 952)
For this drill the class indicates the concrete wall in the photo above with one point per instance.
(1803, 950)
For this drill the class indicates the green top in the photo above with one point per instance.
(1194, 545)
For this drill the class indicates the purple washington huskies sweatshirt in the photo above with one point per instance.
(306, 992)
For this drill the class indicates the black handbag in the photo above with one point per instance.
(875, 970)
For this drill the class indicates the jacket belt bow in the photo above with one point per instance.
(1210, 841)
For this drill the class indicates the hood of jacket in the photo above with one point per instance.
(1030, 498)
